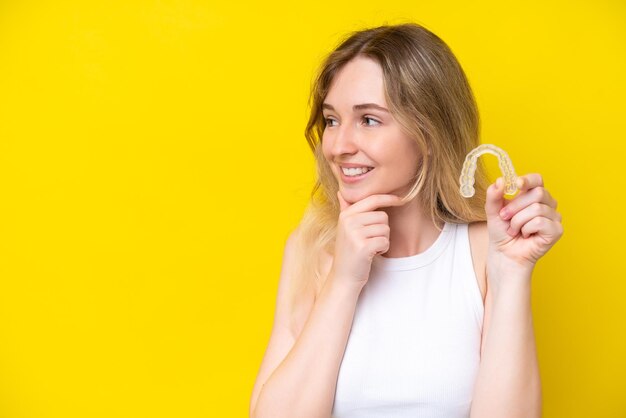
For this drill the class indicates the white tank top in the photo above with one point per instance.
(414, 346)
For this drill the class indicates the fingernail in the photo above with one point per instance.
(503, 214)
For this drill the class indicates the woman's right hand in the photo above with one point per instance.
(362, 233)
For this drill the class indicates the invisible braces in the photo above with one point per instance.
(469, 168)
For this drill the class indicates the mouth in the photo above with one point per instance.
(352, 175)
(354, 171)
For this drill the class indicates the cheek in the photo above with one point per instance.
(408, 160)
(325, 150)
(325, 147)
(324, 155)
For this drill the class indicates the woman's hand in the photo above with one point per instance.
(523, 229)
(362, 233)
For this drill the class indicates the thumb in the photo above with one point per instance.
(495, 199)
(342, 203)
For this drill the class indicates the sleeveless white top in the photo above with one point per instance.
(414, 346)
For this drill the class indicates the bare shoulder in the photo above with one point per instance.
(479, 242)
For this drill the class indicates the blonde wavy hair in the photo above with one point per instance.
(429, 95)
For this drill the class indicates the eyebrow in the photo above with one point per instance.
(358, 107)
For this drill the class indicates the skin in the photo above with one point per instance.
(529, 224)
(374, 138)
(373, 221)
(523, 229)
(520, 231)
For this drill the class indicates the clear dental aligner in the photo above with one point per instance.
(469, 168)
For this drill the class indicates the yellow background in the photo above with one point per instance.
(152, 163)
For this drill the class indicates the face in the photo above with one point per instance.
(360, 132)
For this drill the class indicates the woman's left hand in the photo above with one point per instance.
(523, 229)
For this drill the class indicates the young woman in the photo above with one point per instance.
(398, 297)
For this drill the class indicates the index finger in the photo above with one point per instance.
(375, 201)
(529, 181)
(342, 202)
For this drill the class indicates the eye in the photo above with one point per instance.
(328, 121)
(374, 120)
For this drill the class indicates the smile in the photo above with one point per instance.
(353, 172)
(353, 175)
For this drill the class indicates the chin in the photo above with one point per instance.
(353, 196)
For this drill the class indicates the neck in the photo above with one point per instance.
(411, 230)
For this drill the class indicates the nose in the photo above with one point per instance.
(344, 141)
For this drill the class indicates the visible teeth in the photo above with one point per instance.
(355, 171)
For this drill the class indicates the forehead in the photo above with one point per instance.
(358, 81)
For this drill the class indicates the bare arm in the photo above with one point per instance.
(304, 381)
(508, 382)
(521, 231)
